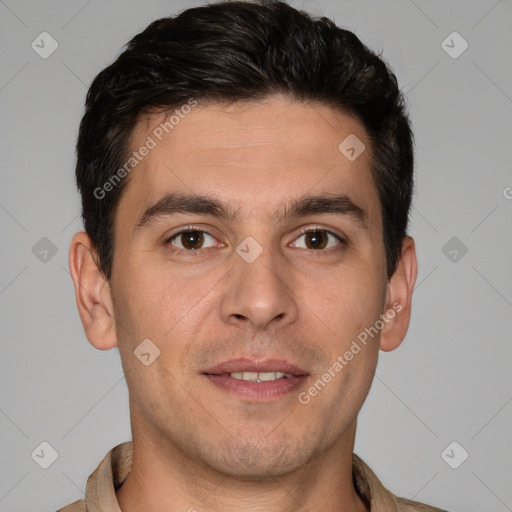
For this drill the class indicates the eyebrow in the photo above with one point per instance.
(198, 204)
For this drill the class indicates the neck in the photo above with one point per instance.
(166, 479)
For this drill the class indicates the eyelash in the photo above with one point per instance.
(199, 252)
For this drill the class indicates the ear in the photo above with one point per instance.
(397, 308)
(92, 292)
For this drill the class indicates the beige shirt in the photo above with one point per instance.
(100, 493)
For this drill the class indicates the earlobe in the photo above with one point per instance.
(92, 293)
(399, 298)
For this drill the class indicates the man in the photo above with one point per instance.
(246, 177)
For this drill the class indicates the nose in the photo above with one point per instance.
(259, 293)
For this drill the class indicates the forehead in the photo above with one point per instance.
(256, 155)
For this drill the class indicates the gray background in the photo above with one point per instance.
(451, 378)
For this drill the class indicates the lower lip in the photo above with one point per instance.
(258, 391)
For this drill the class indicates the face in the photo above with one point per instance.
(238, 275)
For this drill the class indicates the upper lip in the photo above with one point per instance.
(252, 365)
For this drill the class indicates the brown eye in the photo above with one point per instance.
(191, 240)
(317, 239)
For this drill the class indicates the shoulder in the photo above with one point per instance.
(77, 506)
(405, 505)
(379, 498)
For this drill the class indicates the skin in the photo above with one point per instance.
(198, 446)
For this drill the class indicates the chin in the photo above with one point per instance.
(260, 461)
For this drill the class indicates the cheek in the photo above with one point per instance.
(342, 387)
(169, 306)
(138, 309)
(353, 388)
(347, 301)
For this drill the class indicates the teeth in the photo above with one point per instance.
(249, 376)
(259, 376)
(264, 376)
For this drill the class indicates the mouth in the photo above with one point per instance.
(257, 380)
(260, 376)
